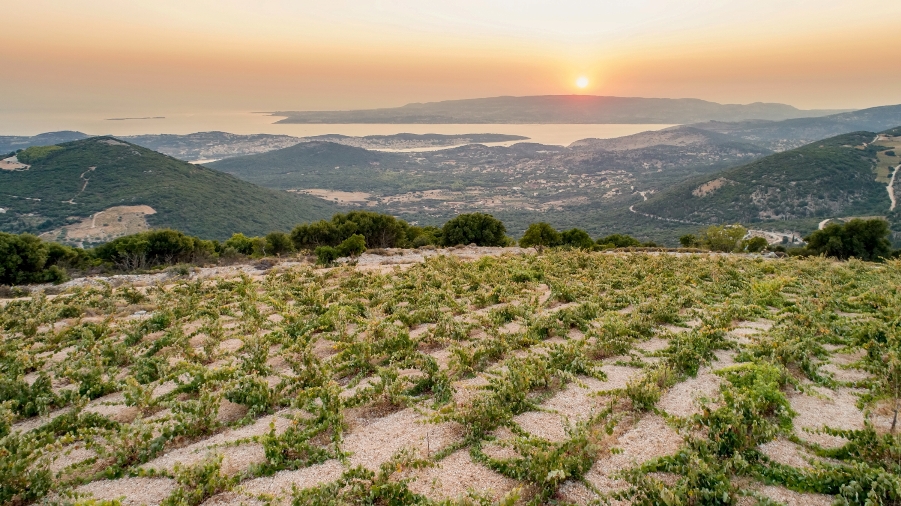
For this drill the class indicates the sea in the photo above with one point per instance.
(243, 122)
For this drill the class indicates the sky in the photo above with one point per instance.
(149, 57)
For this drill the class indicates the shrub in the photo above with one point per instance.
(577, 238)
(688, 241)
(278, 243)
(481, 229)
(540, 236)
(756, 244)
(725, 238)
(353, 246)
(618, 241)
(326, 255)
(862, 239)
(240, 243)
(156, 247)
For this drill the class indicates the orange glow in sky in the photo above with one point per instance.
(184, 55)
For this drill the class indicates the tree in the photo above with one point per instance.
(22, 258)
(278, 243)
(240, 243)
(326, 255)
(688, 241)
(353, 246)
(618, 241)
(312, 235)
(481, 229)
(756, 244)
(862, 239)
(379, 230)
(540, 235)
(577, 238)
(725, 238)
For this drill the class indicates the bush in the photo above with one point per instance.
(25, 258)
(540, 235)
(725, 238)
(577, 238)
(481, 229)
(890, 153)
(756, 244)
(353, 246)
(326, 255)
(618, 241)
(423, 236)
(862, 239)
(278, 243)
(313, 235)
(240, 243)
(153, 248)
(688, 241)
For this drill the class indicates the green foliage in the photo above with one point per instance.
(688, 241)
(754, 409)
(378, 230)
(35, 154)
(362, 486)
(353, 246)
(540, 236)
(155, 247)
(862, 239)
(826, 178)
(326, 255)
(26, 259)
(278, 244)
(196, 200)
(576, 238)
(725, 238)
(240, 243)
(755, 244)
(198, 483)
(474, 228)
(618, 241)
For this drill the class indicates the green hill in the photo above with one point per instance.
(75, 180)
(828, 178)
(319, 164)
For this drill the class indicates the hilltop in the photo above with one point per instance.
(793, 133)
(828, 178)
(557, 109)
(68, 184)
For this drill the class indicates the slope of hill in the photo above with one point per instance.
(556, 109)
(73, 181)
(674, 136)
(323, 164)
(833, 177)
(212, 145)
(9, 143)
(793, 133)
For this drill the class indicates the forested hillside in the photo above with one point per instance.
(75, 180)
(828, 178)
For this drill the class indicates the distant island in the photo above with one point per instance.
(128, 119)
(561, 109)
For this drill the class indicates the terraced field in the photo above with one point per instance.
(565, 378)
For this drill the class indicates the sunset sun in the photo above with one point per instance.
(582, 82)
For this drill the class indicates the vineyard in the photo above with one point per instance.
(562, 378)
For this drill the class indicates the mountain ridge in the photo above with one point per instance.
(552, 109)
(78, 179)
